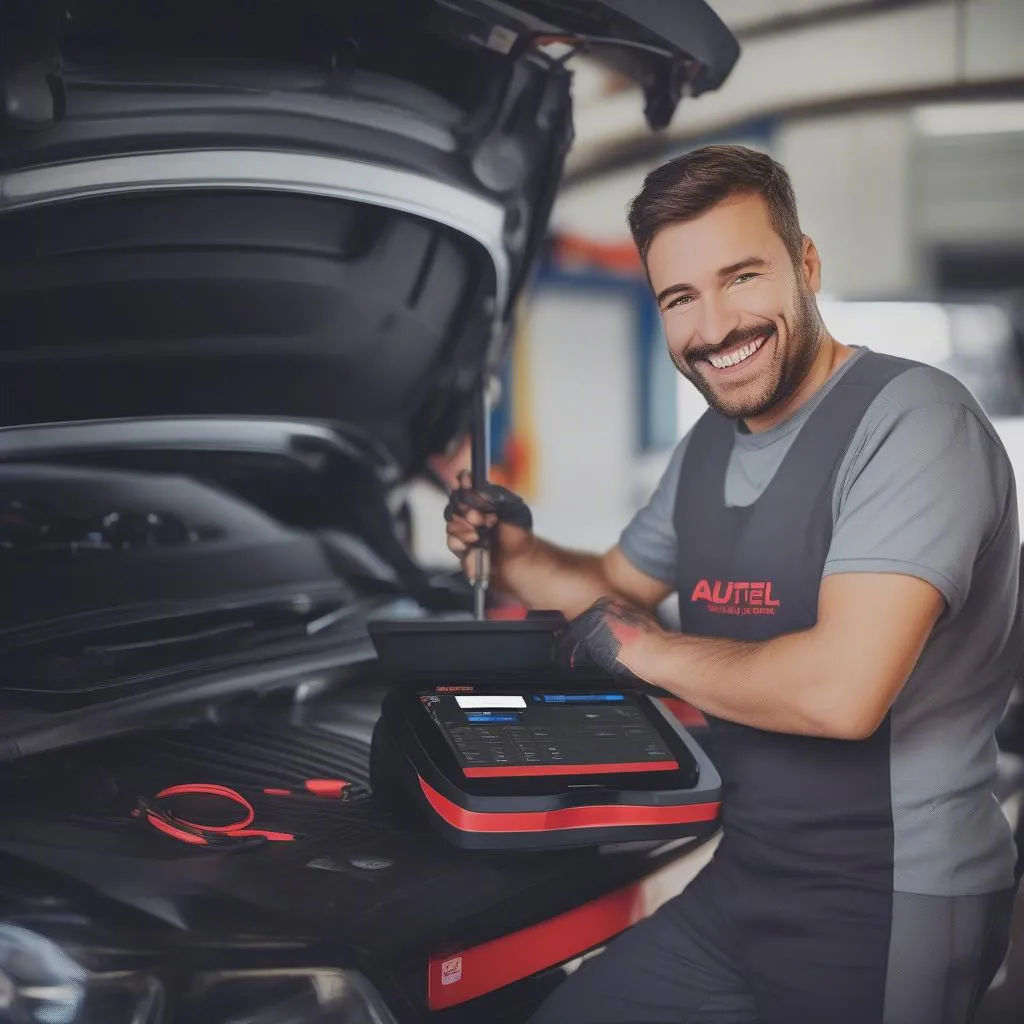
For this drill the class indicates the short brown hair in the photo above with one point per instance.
(690, 185)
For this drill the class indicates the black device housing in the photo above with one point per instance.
(415, 770)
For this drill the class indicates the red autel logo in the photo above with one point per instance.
(736, 597)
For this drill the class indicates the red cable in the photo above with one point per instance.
(208, 789)
(238, 829)
(326, 787)
(175, 833)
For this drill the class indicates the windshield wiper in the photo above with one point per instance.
(86, 665)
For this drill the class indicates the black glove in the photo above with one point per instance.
(508, 506)
(596, 637)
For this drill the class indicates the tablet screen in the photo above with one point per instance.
(548, 733)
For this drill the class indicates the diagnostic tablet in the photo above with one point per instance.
(509, 735)
(536, 767)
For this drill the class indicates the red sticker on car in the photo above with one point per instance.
(451, 971)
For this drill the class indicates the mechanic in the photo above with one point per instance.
(841, 529)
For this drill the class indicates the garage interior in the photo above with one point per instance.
(374, 277)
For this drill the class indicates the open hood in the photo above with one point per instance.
(319, 210)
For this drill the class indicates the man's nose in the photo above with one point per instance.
(715, 320)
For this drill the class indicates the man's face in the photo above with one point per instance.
(740, 320)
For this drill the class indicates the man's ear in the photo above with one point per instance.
(810, 265)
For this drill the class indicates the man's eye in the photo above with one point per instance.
(679, 300)
(744, 277)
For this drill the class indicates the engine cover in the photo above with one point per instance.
(77, 540)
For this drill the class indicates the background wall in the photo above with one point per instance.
(853, 177)
(584, 388)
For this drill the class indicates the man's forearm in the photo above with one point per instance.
(837, 679)
(551, 577)
(780, 685)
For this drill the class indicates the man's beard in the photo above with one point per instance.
(778, 380)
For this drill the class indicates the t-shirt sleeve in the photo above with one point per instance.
(649, 539)
(924, 496)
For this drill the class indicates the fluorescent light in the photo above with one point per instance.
(999, 117)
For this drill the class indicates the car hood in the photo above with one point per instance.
(319, 212)
(257, 260)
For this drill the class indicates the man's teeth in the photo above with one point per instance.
(721, 362)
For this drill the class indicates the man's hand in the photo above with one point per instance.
(488, 515)
(613, 636)
(538, 573)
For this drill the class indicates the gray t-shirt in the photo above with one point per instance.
(925, 489)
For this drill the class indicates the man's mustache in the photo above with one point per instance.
(740, 336)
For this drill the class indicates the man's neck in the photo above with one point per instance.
(830, 356)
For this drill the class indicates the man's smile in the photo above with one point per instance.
(742, 355)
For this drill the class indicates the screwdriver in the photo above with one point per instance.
(479, 467)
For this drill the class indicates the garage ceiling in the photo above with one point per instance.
(796, 60)
(746, 15)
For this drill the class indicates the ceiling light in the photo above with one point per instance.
(951, 119)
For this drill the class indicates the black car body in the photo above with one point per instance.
(256, 260)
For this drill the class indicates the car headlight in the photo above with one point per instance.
(286, 996)
(40, 983)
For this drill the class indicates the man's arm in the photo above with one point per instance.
(838, 679)
(640, 569)
(929, 492)
(548, 576)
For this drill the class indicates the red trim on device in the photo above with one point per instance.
(456, 979)
(685, 714)
(508, 613)
(599, 816)
(570, 769)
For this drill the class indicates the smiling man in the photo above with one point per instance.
(841, 529)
